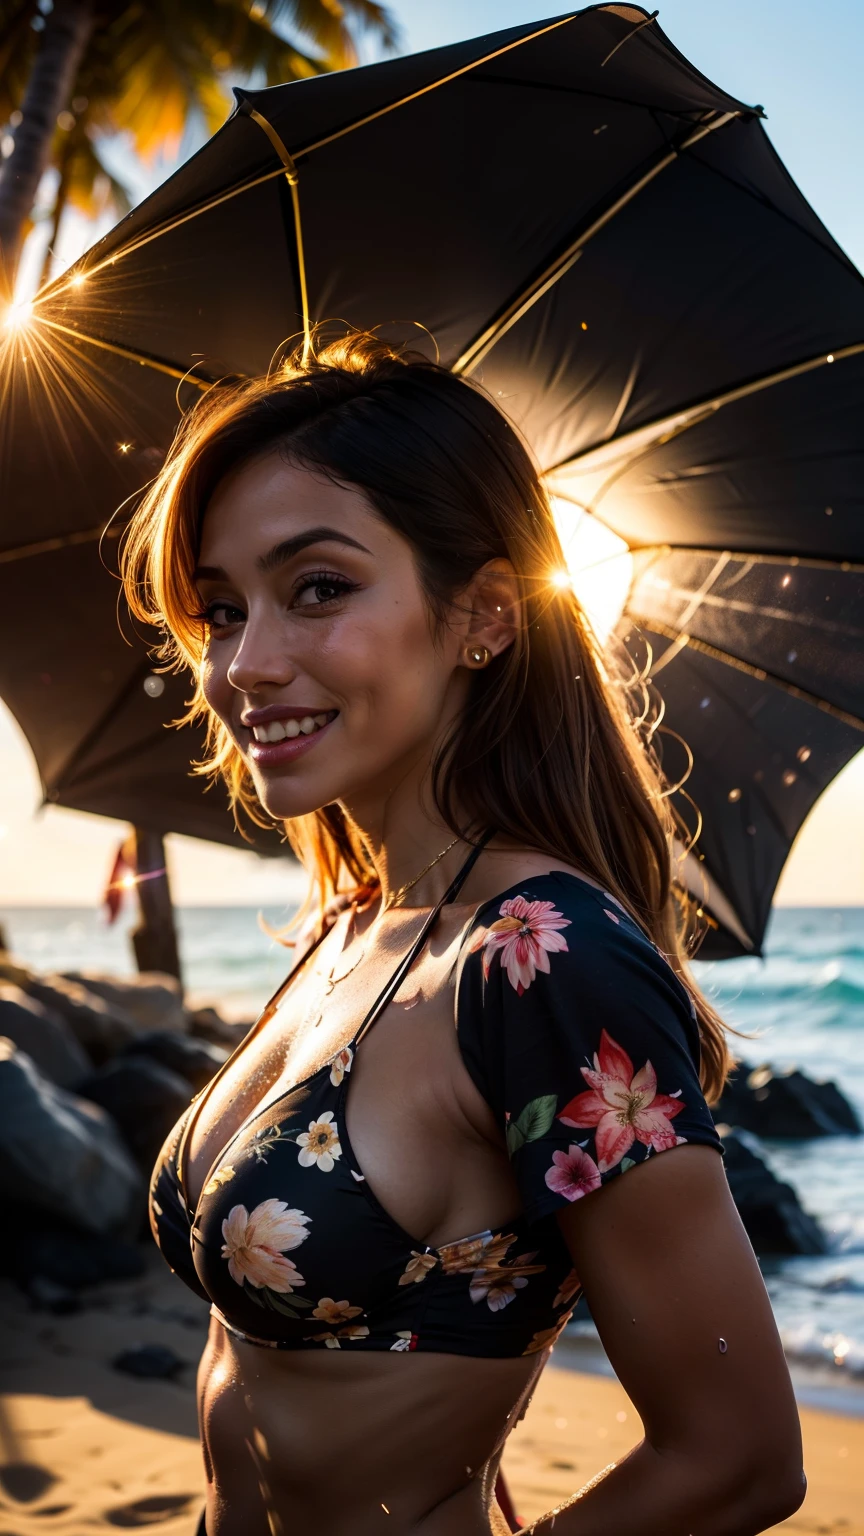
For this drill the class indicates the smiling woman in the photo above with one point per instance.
(418, 1150)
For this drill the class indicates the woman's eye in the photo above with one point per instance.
(223, 615)
(318, 590)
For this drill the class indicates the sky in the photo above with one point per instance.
(803, 64)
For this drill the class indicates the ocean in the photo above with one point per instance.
(803, 1005)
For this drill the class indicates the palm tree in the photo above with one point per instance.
(78, 71)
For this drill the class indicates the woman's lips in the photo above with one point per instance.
(274, 754)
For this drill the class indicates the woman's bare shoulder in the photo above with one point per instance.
(503, 866)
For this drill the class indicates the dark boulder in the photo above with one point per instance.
(44, 1035)
(773, 1217)
(785, 1104)
(50, 1250)
(143, 1098)
(150, 1362)
(208, 1024)
(100, 1029)
(195, 1060)
(151, 999)
(63, 1155)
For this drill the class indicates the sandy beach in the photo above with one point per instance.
(84, 1447)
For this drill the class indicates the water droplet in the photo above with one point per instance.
(385, 1509)
(560, 1423)
(722, 1346)
(803, 754)
(789, 777)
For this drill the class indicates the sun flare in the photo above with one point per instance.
(599, 565)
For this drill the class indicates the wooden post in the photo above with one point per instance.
(155, 938)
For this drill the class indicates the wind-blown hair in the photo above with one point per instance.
(547, 750)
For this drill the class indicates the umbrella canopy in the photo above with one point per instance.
(610, 244)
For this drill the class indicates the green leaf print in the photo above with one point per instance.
(627, 1162)
(532, 1123)
(279, 1303)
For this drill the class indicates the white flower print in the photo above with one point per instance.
(320, 1144)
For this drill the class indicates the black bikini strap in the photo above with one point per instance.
(386, 997)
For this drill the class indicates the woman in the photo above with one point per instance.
(418, 1148)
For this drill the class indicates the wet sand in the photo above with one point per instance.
(84, 1448)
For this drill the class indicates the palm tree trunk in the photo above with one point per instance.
(58, 211)
(52, 79)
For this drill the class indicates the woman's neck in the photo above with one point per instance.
(409, 843)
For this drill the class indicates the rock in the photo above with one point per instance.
(208, 1024)
(773, 1217)
(152, 1362)
(785, 1104)
(101, 1030)
(44, 1035)
(61, 1154)
(50, 1296)
(152, 1000)
(194, 1060)
(46, 1248)
(143, 1098)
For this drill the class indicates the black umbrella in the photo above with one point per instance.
(606, 239)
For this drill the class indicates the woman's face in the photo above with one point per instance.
(322, 660)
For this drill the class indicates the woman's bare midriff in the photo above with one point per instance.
(374, 1445)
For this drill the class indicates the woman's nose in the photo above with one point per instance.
(260, 661)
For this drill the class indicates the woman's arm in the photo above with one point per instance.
(678, 1300)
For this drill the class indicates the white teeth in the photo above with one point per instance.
(280, 730)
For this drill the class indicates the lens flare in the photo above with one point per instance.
(599, 565)
(18, 315)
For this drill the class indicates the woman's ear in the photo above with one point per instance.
(491, 606)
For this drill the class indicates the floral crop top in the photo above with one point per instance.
(580, 1037)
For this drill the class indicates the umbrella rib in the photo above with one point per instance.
(537, 286)
(424, 90)
(685, 641)
(665, 428)
(809, 561)
(292, 180)
(48, 546)
(145, 359)
(171, 224)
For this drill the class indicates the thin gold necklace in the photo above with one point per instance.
(396, 896)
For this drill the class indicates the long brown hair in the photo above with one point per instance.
(547, 751)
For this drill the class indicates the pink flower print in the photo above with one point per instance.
(525, 934)
(623, 1105)
(255, 1245)
(573, 1174)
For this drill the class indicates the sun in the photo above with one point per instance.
(18, 315)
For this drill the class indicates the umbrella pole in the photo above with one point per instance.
(155, 938)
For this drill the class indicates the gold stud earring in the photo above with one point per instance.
(478, 655)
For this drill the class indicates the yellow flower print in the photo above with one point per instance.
(331, 1340)
(333, 1312)
(546, 1337)
(418, 1267)
(320, 1144)
(567, 1289)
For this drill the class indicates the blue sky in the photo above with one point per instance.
(803, 63)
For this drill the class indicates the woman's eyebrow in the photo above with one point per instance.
(284, 551)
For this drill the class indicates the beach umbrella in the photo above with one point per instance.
(609, 243)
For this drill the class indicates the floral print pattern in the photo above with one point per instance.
(319, 1146)
(418, 1267)
(573, 1174)
(341, 1064)
(546, 1337)
(623, 1106)
(255, 1246)
(523, 936)
(333, 1312)
(494, 1277)
(333, 1340)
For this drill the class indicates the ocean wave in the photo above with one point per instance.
(847, 1235)
(809, 1345)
